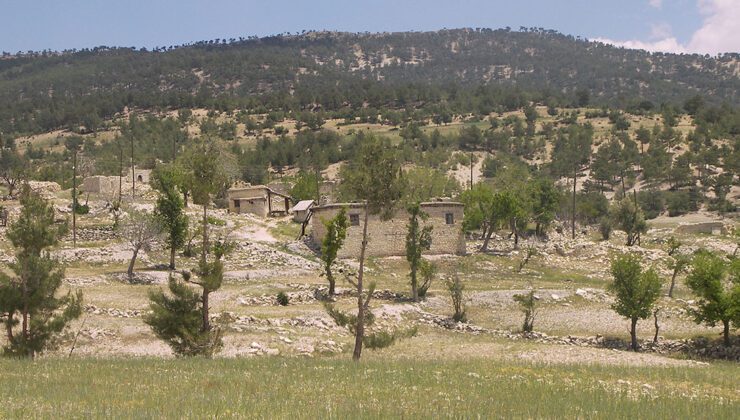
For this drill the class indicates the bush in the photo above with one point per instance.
(216, 221)
(528, 304)
(651, 202)
(680, 202)
(427, 272)
(605, 228)
(82, 209)
(590, 207)
(383, 339)
(456, 288)
(283, 299)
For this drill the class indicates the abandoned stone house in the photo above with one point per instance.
(142, 175)
(388, 237)
(100, 184)
(109, 184)
(302, 210)
(259, 200)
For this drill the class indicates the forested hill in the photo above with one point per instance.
(501, 68)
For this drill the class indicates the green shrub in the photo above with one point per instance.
(528, 304)
(456, 288)
(283, 299)
(216, 221)
(651, 202)
(82, 208)
(605, 228)
(680, 202)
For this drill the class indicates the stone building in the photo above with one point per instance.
(100, 184)
(388, 237)
(302, 210)
(259, 200)
(142, 175)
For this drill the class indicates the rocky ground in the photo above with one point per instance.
(574, 323)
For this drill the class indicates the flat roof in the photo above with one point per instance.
(361, 205)
(303, 205)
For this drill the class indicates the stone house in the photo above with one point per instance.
(142, 175)
(302, 210)
(388, 237)
(259, 200)
(100, 184)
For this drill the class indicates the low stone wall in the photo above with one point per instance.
(388, 238)
(712, 228)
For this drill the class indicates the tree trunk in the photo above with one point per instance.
(673, 283)
(204, 251)
(633, 334)
(487, 238)
(206, 321)
(9, 327)
(332, 283)
(573, 216)
(120, 176)
(24, 322)
(414, 286)
(657, 327)
(133, 170)
(131, 264)
(172, 258)
(726, 332)
(360, 327)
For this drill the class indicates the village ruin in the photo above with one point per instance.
(388, 236)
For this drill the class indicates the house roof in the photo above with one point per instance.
(426, 204)
(303, 205)
(261, 198)
(241, 187)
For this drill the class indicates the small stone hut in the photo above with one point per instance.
(142, 175)
(388, 237)
(259, 200)
(100, 184)
(302, 210)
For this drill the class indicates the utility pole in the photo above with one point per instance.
(471, 170)
(133, 171)
(74, 199)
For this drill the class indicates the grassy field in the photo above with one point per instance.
(333, 388)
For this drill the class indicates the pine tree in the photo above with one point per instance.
(418, 240)
(32, 310)
(183, 319)
(336, 232)
(178, 320)
(373, 178)
(170, 210)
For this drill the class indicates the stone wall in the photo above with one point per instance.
(712, 228)
(100, 184)
(388, 238)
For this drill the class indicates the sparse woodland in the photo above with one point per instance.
(600, 214)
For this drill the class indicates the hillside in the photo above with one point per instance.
(498, 68)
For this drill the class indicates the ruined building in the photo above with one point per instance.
(388, 237)
(259, 200)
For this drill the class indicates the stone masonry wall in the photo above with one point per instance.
(388, 238)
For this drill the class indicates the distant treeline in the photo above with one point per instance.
(460, 71)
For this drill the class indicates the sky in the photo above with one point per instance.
(696, 26)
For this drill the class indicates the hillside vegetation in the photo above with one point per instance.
(472, 70)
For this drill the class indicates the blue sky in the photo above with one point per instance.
(670, 25)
